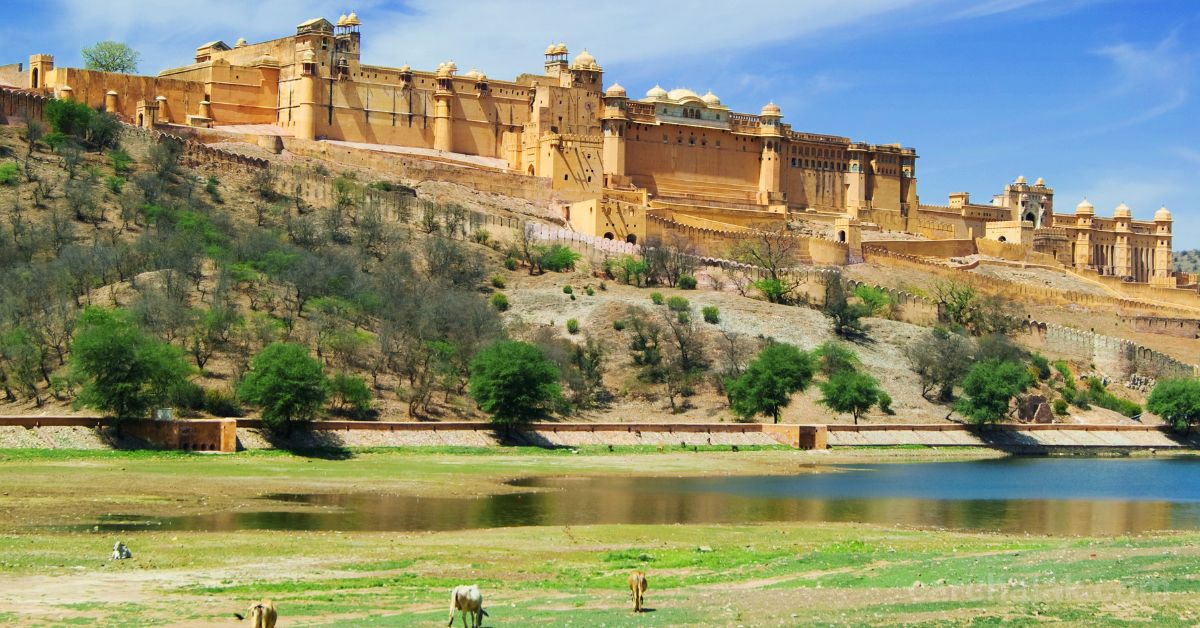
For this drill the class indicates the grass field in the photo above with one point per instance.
(752, 575)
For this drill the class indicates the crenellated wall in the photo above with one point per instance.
(1115, 357)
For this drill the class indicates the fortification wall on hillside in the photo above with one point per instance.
(1115, 357)
(1022, 292)
(1178, 327)
(478, 177)
(18, 106)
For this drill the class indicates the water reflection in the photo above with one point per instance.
(1039, 496)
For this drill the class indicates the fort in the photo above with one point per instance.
(611, 165)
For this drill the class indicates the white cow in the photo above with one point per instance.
(120, 552)
(469, 601)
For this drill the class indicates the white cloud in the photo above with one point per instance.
(1153, 80)
(501, 38)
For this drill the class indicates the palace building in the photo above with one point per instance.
(622, 167)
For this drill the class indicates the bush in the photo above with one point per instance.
(773, 290)
(572, 326)
(350, 395)
(687, 282)
(186, 395)
(711, 314)
(588, 291)
(875, 301)
(510, 263)
(120, 161)
(1095, 394)
(678, 304)
(885, 403)
(500, 302)
(481, 236)
(514, 382)
(603, 286)
(287, 383)
(222, 403)
(656, 298)
(619, 325)
(1042, 365)
(568, 290)
(114, 184)
(498, 281)
(559, 258)
(1060, 407)
(8, 173)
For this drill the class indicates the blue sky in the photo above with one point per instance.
(1097, 96)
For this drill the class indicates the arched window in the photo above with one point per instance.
(841, 236)
(608, 235)
(631, 238)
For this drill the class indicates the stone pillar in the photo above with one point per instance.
(442, 130)
(162, 115)
(110, 102)
(1163, 273)
(65, 92)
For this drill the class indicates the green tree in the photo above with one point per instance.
(126, 371)
(940, 359)
(767, 385)
(514, 382)
(287, 383)
(1177, 401)
(845, 314)
(834, 357)
(111, 56)
(851, 392)
(989, 387)
(351, 395)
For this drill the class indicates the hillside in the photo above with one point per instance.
(216, 261)
(1188, 261)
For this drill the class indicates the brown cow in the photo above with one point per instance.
(637, 588)
(262, 614)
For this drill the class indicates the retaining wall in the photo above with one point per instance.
(216, 435)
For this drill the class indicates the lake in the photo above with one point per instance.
(1059, 496)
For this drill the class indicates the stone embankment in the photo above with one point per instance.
(228, 435)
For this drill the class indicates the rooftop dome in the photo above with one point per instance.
(1163, 214)
(585, 61)
(711, 99)
(550, 49)
(616, 91)
(1040, 181)
(1020, 179)
(1084, 207)
(560, 48)
(405, 68)
(656, 93)
(1122, 211)
(771, 109)
(341, 21)
(444, 69)
(475, 74)
(682, 93)
(352, 19)
(240, 42)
